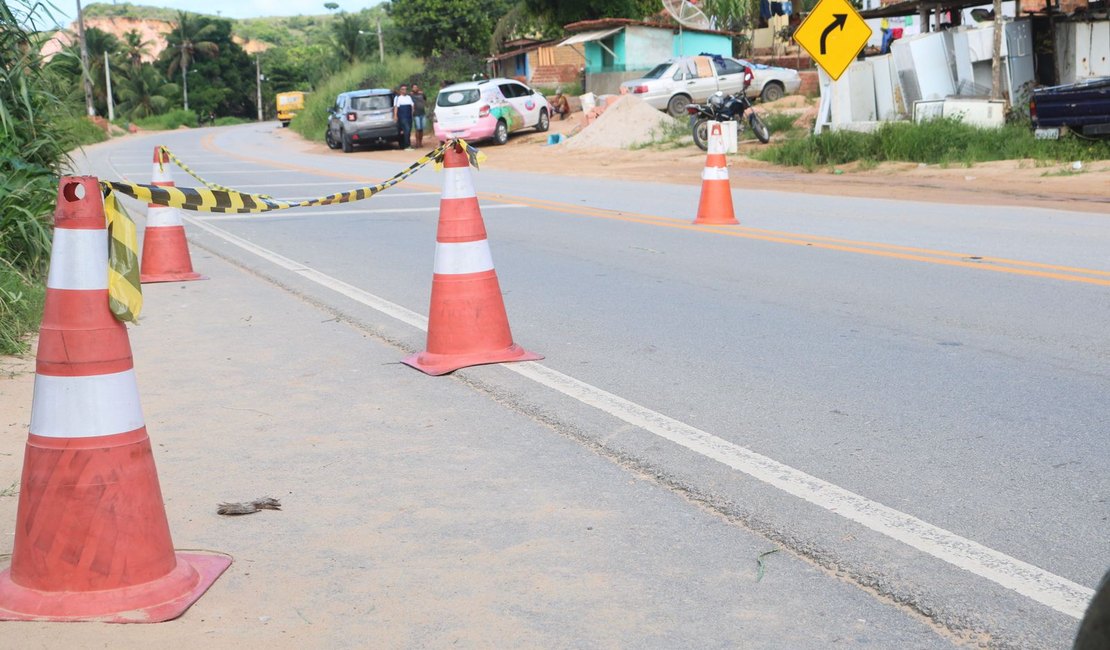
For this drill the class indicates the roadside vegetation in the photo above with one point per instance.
(32, 155)
(313, 120)
(937, 142)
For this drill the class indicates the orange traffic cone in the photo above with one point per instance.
(91, 537)
(165, 249)
(467, 325)
(715, 206)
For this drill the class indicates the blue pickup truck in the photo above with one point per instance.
(1083, 107)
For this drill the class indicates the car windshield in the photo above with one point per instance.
(657, 71)
(371, 103)
(457, 97)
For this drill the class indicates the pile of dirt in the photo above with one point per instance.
(626, 122)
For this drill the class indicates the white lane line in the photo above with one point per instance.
(202, 172)
(323, 212)
(350, 184)
(1032, 582)
(351, 291)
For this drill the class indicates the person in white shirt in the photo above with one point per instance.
(402, 113)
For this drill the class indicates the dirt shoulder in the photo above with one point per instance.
(1009, 182)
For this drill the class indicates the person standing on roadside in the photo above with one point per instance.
(402, 113)
(419, 103)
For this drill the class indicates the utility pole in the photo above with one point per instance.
(184, 67)
(381, 46)
(258, 85)
(996, 55)
(85, 62)
(108, 84)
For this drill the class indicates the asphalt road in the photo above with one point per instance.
(910, 395)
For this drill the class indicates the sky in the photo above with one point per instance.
(67, 9)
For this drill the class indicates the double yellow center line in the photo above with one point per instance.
(892, 251)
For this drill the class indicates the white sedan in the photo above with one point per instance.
(771, 82)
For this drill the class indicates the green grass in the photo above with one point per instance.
(781, 123)
(313, 120)
(80, 131)
(569, 89)
(21, 301)
(938, 142)
(167, 121)
(231, 121)
(672, 134)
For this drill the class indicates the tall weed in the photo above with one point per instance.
(169, 120)
(21, 299)
(943, 142)
(313, 120)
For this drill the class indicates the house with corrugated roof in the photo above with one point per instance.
(618, 49)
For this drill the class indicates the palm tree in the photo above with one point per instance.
(135, 48)
(347, 30)
(98, 43)
(186, 43)
(144, 92)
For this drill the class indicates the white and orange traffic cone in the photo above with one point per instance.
(467, 324)
(165, 249)
(715, 206)
(91, 537)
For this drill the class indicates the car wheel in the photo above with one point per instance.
(332, 144)
(677, 106)
(500, 133)
(772, 91)
(348, 146)
(544, 123)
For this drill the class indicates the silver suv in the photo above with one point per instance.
(362, 117)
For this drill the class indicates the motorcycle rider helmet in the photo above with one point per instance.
(717, 99)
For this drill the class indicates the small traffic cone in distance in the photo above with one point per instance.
(165, 248)
(467, 324)
(92, 542)
(715, 206)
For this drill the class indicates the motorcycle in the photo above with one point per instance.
(722, 108)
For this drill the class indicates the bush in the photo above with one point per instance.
(572, 89)
(21, 299)
(80, 131)
(168, 121)
(27, 195)
(935, 142)
(231, 121)
(313, 120)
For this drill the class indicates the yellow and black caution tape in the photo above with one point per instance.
(125, 294)
(185, 168)
(217, 198)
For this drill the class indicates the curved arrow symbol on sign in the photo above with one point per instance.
(838, 21)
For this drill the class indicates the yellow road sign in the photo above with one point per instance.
(833, 34)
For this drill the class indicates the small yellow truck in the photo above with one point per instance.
(288, 104)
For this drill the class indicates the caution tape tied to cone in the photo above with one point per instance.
(124, 289)
(217, 198)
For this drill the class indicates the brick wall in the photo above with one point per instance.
(811, 86)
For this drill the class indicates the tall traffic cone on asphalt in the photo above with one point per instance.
(165, 249)
(715, 206)
(467, 325)
(91, 538)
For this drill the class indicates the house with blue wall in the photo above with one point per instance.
(617, 49)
